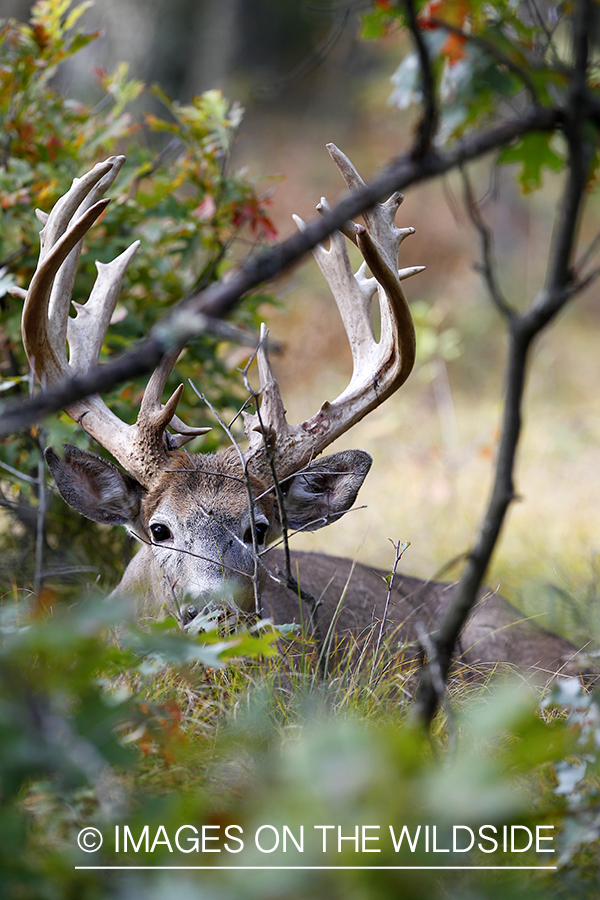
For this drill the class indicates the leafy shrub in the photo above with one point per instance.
(176, 193)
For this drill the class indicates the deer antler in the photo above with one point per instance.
(379, 367)
(47, 328)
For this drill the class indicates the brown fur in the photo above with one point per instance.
(353, 605)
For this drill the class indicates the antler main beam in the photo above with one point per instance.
(379, 367)
(47, 329)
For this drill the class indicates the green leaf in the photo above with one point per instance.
(76, 14)
(374, 25)
(533, 152)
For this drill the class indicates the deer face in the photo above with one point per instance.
(203, 534)
(205, 538)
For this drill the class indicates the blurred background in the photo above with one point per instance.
(305, 77)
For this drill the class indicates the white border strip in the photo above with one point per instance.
(319, 868)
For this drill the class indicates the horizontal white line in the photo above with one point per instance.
(318, 868)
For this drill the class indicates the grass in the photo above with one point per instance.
(269, 741)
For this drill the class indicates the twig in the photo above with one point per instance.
(319, 522)
(428, 124)
(583, 283)
(40, 531)
(399, 549)
(18, 474)
(247, 481)
(588, 254)
(184, 552)
(289, 579)
(487, 268)
(542, 23)
(254, 395)
(40, 516)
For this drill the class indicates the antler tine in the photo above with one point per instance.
(379, 367)
(151, 401)
(347, 229)
(379, 219)
(86, 332)
(66, 206)
(272, 408)
(346, 168)
(184, 433)
(83, 194)
(44, 337)
(46, 311)
(397, 338)
(154, 415)
(352, 294)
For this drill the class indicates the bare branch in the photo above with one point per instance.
(487, 268)
(429, 120)
(560, 272)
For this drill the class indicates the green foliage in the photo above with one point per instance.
(434, 341)
(140, 735)
(485, 60)
(77, 721)
(579, 776)
(175, 192)
(533, 152)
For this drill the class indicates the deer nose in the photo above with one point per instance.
(204, 616)
(193, 611)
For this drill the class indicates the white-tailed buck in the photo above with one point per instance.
(205, 520)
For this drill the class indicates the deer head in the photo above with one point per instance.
(206, 518)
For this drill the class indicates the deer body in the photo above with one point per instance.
(353, 603)
(495, 633)
(205, 521)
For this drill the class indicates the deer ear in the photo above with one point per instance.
(94, 486)
(325, 490)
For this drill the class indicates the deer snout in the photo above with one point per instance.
(206, 613)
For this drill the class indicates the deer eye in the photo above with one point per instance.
(160, 532)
